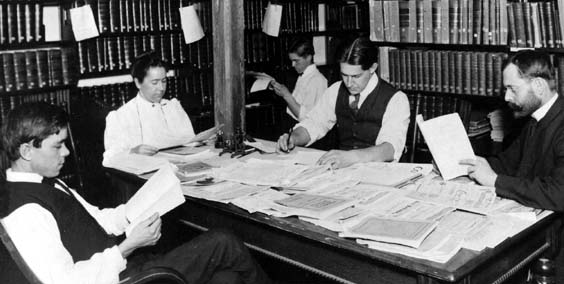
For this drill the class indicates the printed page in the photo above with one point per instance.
(388, 174)
(399, 231)
(260, 84)
(206, 134)
(260, 172)
(314, 206)
(465, 196)
(161, 193)
(448, 142)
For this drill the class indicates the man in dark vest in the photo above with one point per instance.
(371, 116)
(531, 169)
(64, 239)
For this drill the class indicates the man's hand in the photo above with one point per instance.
(146, 233)
(338, 159)
(144, 150)
(480, 171)
(280, 89)
(284, 144)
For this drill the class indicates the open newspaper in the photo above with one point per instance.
(160, 194)
(448, 142)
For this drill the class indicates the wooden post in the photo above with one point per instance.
(228, 64)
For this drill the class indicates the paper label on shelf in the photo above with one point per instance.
(190, 24)
(83, 24)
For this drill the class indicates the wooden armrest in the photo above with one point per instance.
(157, 275)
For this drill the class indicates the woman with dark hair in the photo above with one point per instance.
(147, 122)
(370, 115)
(310, 85)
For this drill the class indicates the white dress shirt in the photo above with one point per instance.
(139, 122)
(36, 235)
(309, 88)
(543, 110)
(394, 121)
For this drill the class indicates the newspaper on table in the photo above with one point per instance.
(314, 206)
(397, 231)
(436, 247)
(388, 174)
(260, 172)
(471, 197)
(223, 192)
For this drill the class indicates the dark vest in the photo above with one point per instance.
(360, 130)
(81, 234)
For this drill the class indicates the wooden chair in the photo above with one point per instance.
(14, 270)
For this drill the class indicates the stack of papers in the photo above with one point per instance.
(313, 206)
(396, 231)
(388, 174)
(260, 172)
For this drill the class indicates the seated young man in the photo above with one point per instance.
(64, 239)
(370, 115)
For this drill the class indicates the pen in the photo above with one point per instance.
(288, 140)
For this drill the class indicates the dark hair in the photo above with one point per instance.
(144, 62)
(30, 122)
(302, 47)
(360, 52)
(533, 64)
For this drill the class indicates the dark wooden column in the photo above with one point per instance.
(228, 64)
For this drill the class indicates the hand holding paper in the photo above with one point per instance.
(160, 194)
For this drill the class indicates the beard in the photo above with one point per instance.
(528, 106)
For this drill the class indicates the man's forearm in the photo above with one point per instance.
(378, 153)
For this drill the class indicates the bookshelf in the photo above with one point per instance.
(327, 23)
(36, 60)
(447, 55)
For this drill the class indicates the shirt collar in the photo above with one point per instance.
(309, 70)
(543, 110)
(22, 176)
(372, 83)
(145, 102)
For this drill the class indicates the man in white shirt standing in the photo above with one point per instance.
(310, 86)
(371, 116)
(147, 122)
(65, 240)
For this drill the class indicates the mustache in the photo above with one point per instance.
(515, 106)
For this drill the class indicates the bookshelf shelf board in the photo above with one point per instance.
(184, 67)
(498, 98)
(315, 33)
(138, 33)
(35, 91)
(34, 45)
(438, 46)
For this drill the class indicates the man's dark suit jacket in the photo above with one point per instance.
(531, 170)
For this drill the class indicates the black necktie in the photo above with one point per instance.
(354, 104)
(53, 181)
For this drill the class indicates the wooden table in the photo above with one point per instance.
(321, 251)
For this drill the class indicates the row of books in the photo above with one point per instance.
(309, 16)
(194, 91)
(535, 24)
(457, 72)
(430, 106)
(118, 52)
(37, 68)
(60, 98)
(21, 22)
(439, 21)
(119, 16)
(262, 48)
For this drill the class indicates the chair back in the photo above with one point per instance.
(13, 269)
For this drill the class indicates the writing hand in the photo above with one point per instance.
(480, 170)
(144, 149)
(146, 233)
(285, 143)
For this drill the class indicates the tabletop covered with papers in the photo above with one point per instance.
(392, 207)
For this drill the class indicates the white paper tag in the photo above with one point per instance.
(83, 24)
(190, 24)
